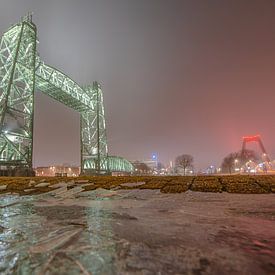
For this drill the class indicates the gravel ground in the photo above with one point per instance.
(68, 231)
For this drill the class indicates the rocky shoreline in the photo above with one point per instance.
(256, 184)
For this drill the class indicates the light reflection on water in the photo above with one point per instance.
(54, 239)
(19, 222)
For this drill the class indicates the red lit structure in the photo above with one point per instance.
(257, 139)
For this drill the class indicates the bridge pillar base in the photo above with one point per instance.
(17, 172)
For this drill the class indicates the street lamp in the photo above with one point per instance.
(236, 161)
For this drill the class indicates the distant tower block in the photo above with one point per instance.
(22, 72)
(257, 139)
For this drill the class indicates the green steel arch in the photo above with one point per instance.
(114, 164)
(22, 72)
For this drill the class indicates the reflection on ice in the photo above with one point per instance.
(136, 231)
(19, 224)
(43, 234)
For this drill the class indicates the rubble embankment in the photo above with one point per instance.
(255, 184)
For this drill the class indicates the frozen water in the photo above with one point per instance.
(67, 231)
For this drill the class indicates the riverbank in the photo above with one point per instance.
(256, 184)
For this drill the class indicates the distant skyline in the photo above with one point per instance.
(178, 76)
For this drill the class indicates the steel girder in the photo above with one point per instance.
(21, 73)
(60, 87)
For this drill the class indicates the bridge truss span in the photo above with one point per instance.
(62, 88)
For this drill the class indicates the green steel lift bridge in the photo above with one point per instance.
(22, 73)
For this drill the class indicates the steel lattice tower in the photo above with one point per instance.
(22, 72)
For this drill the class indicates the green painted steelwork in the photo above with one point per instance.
(22, 72)
(115, 164)
(17, 75)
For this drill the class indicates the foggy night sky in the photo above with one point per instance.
(178, 76)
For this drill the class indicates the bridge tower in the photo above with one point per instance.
(94, 147)
(17, 84)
